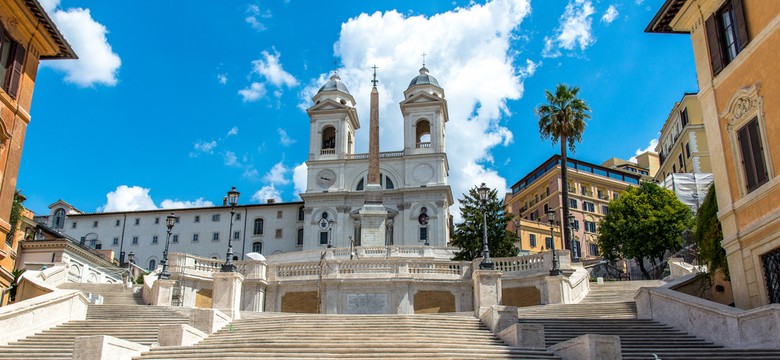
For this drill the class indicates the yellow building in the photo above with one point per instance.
(683, 147)
(533, 237)
(591, 187)
(27, 35)
(736, 45)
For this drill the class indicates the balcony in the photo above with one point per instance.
(327, 151)
(424, 145)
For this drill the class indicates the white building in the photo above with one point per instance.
(414, 181)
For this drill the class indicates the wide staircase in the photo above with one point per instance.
(609, 309)
(136, 323)
(311, 336)
(111, 294)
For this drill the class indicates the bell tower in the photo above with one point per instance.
(425, 114)
(333, 122)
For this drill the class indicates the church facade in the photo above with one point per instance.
(409, 188)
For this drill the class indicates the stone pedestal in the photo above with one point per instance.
(487, 290)
(163, 292)
(102, 347)
(253, 297)
(226, 295)
(524, 335)
(372, 225)
(589, 347)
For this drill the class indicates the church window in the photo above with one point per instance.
(299, 241)
(152, 265)
(323, 238)
(258, 229)
(329, 138)
(360, 185)
(389, 184)
(300, 213)
(257, 247)
(423, 134)
(423, 233)
(59, 219)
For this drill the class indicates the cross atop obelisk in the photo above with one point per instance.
(373, 135)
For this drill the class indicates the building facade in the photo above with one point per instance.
(27, 35)
(413, 181)
(591, 188)
(682, 147)
(735, 46)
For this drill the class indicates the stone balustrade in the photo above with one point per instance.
(370, 268)
(201, 267)
(362, 252)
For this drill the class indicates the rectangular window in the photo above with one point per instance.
(534, 215)
(94, 224)
(572, 203)
(238, 216)
(323, 238)
(116, 241)
(674, 168)
(156, 220)
(278, 233)
(195, 237)
(135, 240)
(590, 226)
(576, 224)
(215, 217)
(680, 160)
(300, 237)
(546, 208)
(615, 196)
(423, 233)
(154, 239)
(117, 222)
(726, 34)
(236, 235)
(752, 151)
(532, 240)
(688, 150)
(197, 218)
(137, 221)
(588, 206)
(604, 209)
(594, 250)
(300, 213)
(73, 226)
(279, 214)
(11, 63)
(258, 228)
(215, 236)
(175, 238)
(548, 242)
(684, 117)
(177, 219)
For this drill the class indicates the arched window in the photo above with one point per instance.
(258, 229)
(152, 264)
(389, 184)
(59, 219)
(329, 138)
(257, 247)
(360, 185)
(423, 134)
(300, 237)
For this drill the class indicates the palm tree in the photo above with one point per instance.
(562, 119)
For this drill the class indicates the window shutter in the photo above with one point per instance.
(716, 53)
(758, 153)
(16, 71)
(740, 24)
(747, 158)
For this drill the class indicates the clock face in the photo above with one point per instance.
(326, 178)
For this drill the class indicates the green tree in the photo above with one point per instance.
(562, 119)
(709, 234)
(644, 222)
(468, 234)
(16, 214)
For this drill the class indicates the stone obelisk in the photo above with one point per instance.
(373, 215)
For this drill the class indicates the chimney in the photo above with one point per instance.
(270, 201)
(224, 201)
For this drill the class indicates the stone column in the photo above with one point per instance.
(226, 295)
(487, 290)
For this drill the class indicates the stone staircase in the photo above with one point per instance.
(609, 309)
(112, 294)
(136, 323)
(313, 336)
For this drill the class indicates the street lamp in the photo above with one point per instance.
(518, 236)
(232, 200)
(169, 222)
(551, 218)
(574, 253)
(131, 258)
(486, 264)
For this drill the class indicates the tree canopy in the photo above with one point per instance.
(468, 234)
(709, 234)
(644, 222)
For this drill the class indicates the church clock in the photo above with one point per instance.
(326, 178)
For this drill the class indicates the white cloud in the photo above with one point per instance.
(230, 159)
(610, 15)
(270, 68)
(206, 147)
(574, 29)
(300, 177)
(466, 46)
(284, 139)
(97, 63)
(267, 192)
(255, 15)
(182, 204)
(128, 198)
(254, 92)
(222, 78)
(275, 176)
(650, 147)
(232, 131)
(50, 5)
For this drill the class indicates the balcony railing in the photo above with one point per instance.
(327, 151)
(424, 145)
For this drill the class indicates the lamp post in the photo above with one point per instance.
(169, 222)
(518, 236)
(232, 200)
(486, 264)
(131, 258)
(551, 218)
(574, 253)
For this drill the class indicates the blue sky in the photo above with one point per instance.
(171, 105)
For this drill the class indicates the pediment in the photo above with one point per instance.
(421, 98)
(328, 104)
